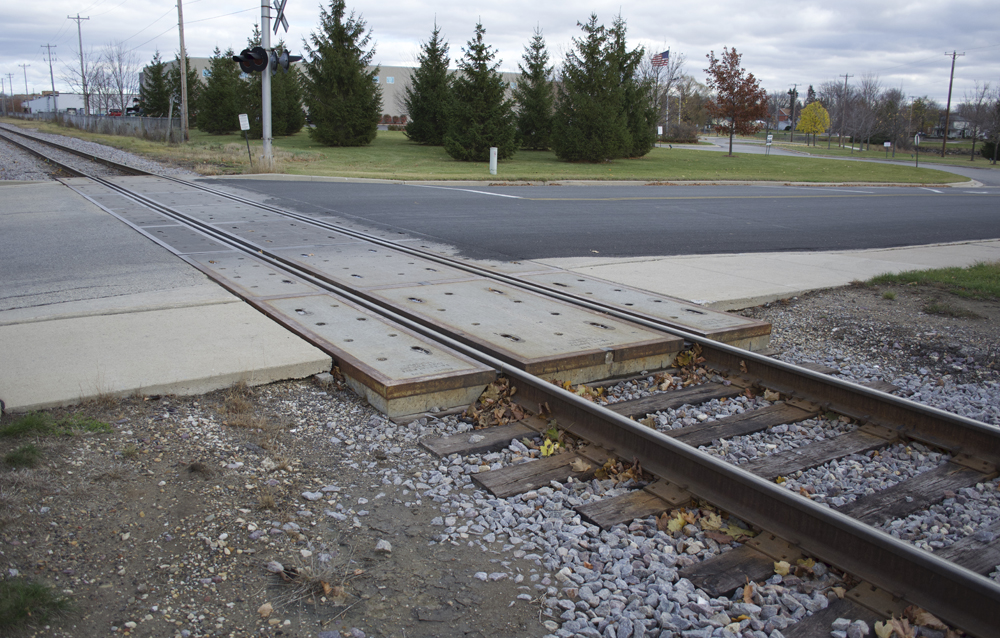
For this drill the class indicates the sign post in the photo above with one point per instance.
(245, 126)
(887, 145)
(916, 150)
(767, 145)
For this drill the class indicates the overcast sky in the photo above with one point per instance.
(782, 43)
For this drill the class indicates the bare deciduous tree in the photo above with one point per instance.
(776, 100)
(122, 66)
(976, 111)
(79, 76)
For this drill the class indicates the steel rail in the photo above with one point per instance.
(961, 597)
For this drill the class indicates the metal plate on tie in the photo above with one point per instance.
(540, 335)
(720, 326)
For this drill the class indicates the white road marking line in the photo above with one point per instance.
(467, 190)
(930, 189)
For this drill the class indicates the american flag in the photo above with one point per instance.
(662, 59)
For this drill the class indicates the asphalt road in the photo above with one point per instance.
(530, 222)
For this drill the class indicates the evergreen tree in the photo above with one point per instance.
(638, 93)
(481, 116)
(287, 116)
(590, 124)
(218, 104)
(194, 89)
(810, 95)
(154, 94)
(343, 100)
(534, 95)
(428, 96)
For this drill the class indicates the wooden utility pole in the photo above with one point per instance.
(843, 113)
(55, 99)
(83, 71)
(184, 85)
(947, 109)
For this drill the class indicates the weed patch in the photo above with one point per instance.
(948, 310)
(24, 456)
(24, 602)
(40, 424)
(888, 294)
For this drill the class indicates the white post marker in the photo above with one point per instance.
(245, 126)
(659, 130)
(493, 160)
(887, 145)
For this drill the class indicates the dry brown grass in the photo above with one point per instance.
(266, 500)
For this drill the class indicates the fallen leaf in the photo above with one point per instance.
(711, 522)
(719, 537)
(840, 591)
(780, 480)
(743, 367)
(548, 447)
(265, 610)
(579, 465)
(924, 618)
(781, 568)
(883, 629)
(771, 396)
(748, 593)
(807, 563)
(676, 524)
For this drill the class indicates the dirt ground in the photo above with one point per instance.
(167, 525)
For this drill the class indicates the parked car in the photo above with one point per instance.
(115, 112)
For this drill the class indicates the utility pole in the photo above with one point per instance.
(265, 83)
(24, 67)
(55, 99)
(3, 96)
(184, 84)
(947, 109)
(843, 113)
(10, 81)
(83, 71)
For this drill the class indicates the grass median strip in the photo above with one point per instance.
(393, 156)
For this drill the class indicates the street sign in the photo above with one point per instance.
(279, 17)
(887, 144)
(770, 138)
(244, 122)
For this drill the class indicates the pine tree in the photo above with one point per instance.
(154, 94)
(428, 96)
(535, 96)
(218, 104)
(638, 93)
(287, 116)
(194, 89)
(590, 124)
(344, 102)
(481, 116)
(810, 95)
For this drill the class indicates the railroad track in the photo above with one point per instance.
(892, 574)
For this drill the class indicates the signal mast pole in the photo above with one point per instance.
(265, 83)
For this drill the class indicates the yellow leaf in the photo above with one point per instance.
(549, 447)
(676, 524)
(779, 480)
(771, 396)
(883, 629)
(781, 568)
(711, 522)
(923, 617)
(808, 563)
(578, 465)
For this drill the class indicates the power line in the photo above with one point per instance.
(223, 15)
(168, 12)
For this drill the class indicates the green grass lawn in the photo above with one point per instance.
(904, 157)
(979, 281)
(392, 156)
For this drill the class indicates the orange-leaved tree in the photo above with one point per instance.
(739, 101)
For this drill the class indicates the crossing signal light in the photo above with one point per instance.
(282, 60)
(253, 60)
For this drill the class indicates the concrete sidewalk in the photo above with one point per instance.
(90, 308)
(730, 282)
